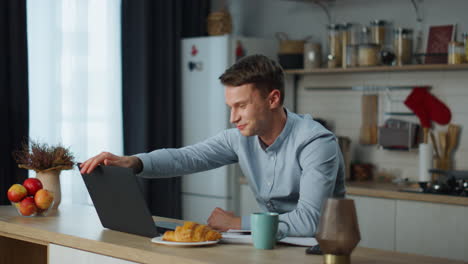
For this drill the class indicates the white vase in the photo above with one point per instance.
(51, 181)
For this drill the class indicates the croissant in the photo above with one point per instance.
(192, 232)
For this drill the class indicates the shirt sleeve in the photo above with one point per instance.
(209, 154)
(245, 222)
(320, 161)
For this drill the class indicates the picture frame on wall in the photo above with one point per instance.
(437, 43)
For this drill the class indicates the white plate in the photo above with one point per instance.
(158, 240)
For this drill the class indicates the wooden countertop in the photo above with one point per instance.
(392, 191)
(79, 227)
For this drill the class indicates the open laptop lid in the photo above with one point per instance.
(118, 200)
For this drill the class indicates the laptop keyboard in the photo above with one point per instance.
(167, 225)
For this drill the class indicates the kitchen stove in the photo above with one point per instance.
(449, 182)
(453, 183)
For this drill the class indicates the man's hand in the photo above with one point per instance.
(107, 158)
(223, 220)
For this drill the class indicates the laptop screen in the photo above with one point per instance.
(119, 201)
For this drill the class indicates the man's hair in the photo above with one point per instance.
(265, 74)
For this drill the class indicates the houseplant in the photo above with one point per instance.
(47, 161)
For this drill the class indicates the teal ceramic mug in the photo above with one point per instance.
(265, 229)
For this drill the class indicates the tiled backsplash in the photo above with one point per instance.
(343, 110)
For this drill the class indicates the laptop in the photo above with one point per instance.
(119, 202)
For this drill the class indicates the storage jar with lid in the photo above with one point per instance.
(378, 32)
(403, 45)
(350, 36)
(352, 55)
(334, 45)
(465, 41)
(312, 55)
(455, 52)
(366, 37)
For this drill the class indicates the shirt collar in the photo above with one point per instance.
(284, 133)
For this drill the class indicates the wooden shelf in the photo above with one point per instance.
(418, 67)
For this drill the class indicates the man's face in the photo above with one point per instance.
(250, 111)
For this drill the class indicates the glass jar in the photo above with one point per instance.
(456, 52)
(352, 55)
(312, 55)
(350, 36)
(365, 36)
(351, 33)
(378, 32)
(334, 45)
(368, 54)
(403, 45)
(465, 41)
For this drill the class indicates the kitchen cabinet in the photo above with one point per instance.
(25, 251)
(432, 229)
(376, 217)
(60, 254)
(426, 228)
(437, 230)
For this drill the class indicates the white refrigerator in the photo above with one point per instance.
(204, 114)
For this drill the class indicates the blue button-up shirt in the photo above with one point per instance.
(293, 176)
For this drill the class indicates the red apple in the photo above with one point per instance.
(16, 193)
(32, 185)
(27, 206)
(43, 199)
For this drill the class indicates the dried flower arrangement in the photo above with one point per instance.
(41, 157)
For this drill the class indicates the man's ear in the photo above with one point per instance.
(274, 99)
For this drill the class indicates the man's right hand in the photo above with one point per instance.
(107, 158)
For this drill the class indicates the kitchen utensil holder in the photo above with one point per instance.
(442, 163)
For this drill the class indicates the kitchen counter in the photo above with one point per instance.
(392, 191)
(78, 228)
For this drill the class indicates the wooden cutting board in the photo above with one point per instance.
(369, 111)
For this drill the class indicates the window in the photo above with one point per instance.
(75, 81)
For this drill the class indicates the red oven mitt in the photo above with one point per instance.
(427, 107)
(415, 102)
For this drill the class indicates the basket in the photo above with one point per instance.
(288, 46)
(291, 46)
(219, 23)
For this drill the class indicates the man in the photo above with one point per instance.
(292, 163)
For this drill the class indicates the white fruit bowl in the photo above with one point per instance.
(40, 212)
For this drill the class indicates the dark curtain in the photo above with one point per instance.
(14, 108)
(151, 35)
